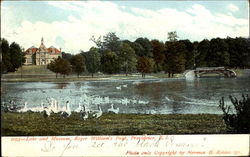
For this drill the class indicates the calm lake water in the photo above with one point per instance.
(161, 96)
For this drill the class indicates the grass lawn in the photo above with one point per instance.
(34, 124)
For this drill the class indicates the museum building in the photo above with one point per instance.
(41, 55)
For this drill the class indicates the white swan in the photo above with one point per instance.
(98, 113)
(66, 112)
(79, 108)
(119, 88)
(112, 109)
(25, 109)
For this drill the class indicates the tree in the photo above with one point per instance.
(54, 66)
(110, 62)
(64, 67)
(189, 55)
(175, 55)
(60, 66)
(219, 55)
(66, 56)
(110, 42)
(145, 65)
(203, 49)
(146, 47)
(78, 64)
(172, 36)
(139, 50)
(93, 60)
(175, 60)
(239, 51)
(158, 49)
(5, 52)
(16, 56)
(127, 58)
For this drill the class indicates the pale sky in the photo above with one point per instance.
(70, 24)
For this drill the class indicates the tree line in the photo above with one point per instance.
(111, 55)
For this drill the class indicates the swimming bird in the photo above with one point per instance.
(119, 87)
(112, 109)
(125, 85)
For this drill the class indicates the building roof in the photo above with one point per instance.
(34, 49)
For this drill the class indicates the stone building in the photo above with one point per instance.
(41, 55)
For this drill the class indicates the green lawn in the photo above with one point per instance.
(34, 124)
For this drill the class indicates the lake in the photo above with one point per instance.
(155, 96)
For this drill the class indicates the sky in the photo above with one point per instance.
(69, 25)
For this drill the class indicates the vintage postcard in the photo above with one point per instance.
(125, 78)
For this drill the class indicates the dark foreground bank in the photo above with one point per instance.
(34, 124)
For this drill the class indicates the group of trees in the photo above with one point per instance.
(12, 56)
(112, 55)
(75, 64)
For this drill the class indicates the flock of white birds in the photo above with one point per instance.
(66, 105)
(65, 110)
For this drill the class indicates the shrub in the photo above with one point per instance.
(237, 120)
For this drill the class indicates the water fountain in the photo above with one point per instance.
(190, 75)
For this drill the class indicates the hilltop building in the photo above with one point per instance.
(41, 55)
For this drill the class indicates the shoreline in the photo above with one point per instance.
(36, 76)
(84, 78)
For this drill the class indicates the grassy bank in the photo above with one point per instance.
(33, 73)
(111, 124)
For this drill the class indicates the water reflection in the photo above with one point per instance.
(61, 85)
(142, 96)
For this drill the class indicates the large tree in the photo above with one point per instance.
(218, 55)
(127, 58)
(78, 64)
(158, 49)
(190, 54)
(175, 58)
(93, 60)
(16, 56)
(67, 56)
(203, 49)
(139, 50)
(145, 65)
(175, 55)
(146, 47)
(6, 64)
(60, 66)
(239, 50)
(109, 42)
(110, 62)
